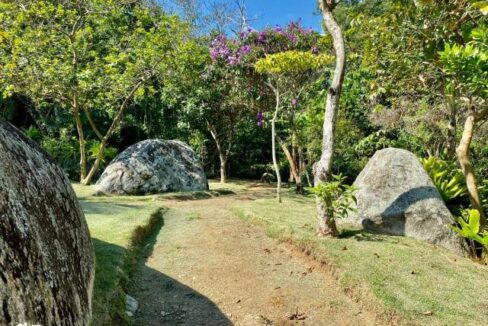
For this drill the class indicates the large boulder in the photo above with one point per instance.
(153, 166)
(396, 196)
(46, 255)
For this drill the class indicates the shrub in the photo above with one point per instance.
(337, 196)
(448, 179)
(469, 227)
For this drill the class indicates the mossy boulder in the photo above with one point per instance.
(46, 254)
(153, 166)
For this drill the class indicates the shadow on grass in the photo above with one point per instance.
(361, 235)
(105, 208)
(116, 268)
(197, 195)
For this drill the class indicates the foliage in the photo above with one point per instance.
(448, 180)
(469, 227)
(467, 65)
(484, 194)
(91, 57)
(291, 62)
(338, 196)
(107, 155)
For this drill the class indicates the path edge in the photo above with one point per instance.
(141, 243)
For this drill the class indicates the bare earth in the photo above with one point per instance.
(210, 268)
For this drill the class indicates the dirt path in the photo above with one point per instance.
(209, 268)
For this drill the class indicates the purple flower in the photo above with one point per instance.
(233, 60)
(314, 50)
(260, 116)
(294, 102)
(245, 49)
(260, 123)
(261, 38)
(278, 29)
(292, 37)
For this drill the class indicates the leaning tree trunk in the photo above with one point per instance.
(223, 154)
(322, 169)
(273, 147)
(81, 140)
(294, 171)
(462, 152)
(104, 141)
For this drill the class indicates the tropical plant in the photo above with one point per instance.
(469, 227)
(337, 197)
(448, 180)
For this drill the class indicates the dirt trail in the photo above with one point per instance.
(210, 268)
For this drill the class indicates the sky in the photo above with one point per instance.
(272, 12)
(264, 13)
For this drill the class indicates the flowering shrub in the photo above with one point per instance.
(251, 44)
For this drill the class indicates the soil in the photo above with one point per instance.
(210, 268)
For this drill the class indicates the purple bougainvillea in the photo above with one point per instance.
(251, 44)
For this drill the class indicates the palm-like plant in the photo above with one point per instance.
(469, 227)
(447, 179)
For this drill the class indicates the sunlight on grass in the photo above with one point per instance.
(111, 221)
(403, 275)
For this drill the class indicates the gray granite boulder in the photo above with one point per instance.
(396, 196)
(46, 254)
(153, 166)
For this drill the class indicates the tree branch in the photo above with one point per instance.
(92, 123)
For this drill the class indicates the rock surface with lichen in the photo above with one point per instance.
(46, 254)
(396, 196)
(153, 166)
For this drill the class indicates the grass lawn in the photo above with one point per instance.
(398, 276)
(112, 221)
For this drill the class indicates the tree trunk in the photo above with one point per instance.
(104, 141)
(294, 172)
(322, 169)
(462, 152)
(223, 154)
(223, 168)
(81, 140)
(273, 147)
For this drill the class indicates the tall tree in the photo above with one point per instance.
(289, 73)
(87, 56)
(323, 168)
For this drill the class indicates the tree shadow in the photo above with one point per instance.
(196, 195)
(392, 220)
(105, 208)
(162, 300)
(361, 235)
(165, 301)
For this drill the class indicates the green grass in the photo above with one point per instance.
(397, 276)
(113, 222)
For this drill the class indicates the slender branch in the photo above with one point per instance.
(92, 123)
